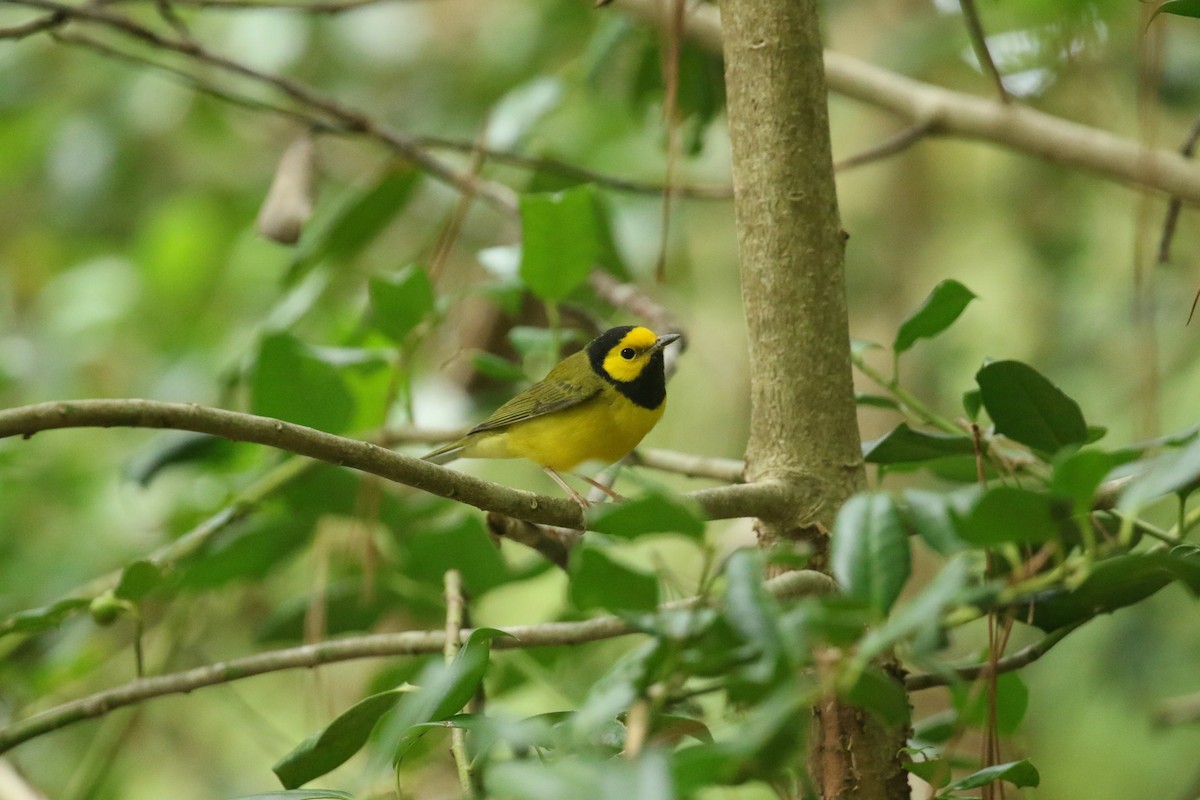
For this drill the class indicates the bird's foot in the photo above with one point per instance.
(608, 490)
(583, 502)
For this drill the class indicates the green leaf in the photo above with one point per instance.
(1079, 474)
(359, 217)
(944, 305)
(1180, 8)
(647, 777)
(1018, 773)
(35, 620)
(870, 555)
(972, 402)
(616, 690)
(920, 618)
(328, 749)
(560, 241)
(138, 579)
(1027, 408)
(1012, 701)
(880, 694)
(1008, 514)
(464, 545)
(753, 614)
(597, 580)
(443, 689)
(300, 794)
(1172, 472)
(1118, 582)
(401, 302)
(651, 513)
(903, 444)
(291, 383)
(936, 517)
(761, 745)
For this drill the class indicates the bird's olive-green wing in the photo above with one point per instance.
(567, 385)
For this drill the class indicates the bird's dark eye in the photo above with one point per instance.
(628, 353)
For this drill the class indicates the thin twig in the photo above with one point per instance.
(573, 171)
(979, 43)
(454, 625)
(790, 585)
(352, 119)
(966, 116)
(729, 470)
(763, 499)
(1021, 658)
(38, 25)
(894, 144)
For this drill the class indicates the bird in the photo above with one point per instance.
(595, 405)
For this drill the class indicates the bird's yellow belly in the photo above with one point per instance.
(605, 429)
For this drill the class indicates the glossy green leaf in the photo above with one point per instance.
(1018, 773)
(1118, 582)
(920, 618)
(1079, 474)
(401, 302)
(652, 512)
(442, 690)
(936, 517)
(876, 401)
(559, 241)
(1172, 472)
(903, 444)
(1180, 8)
(1008, 514)
(880, 694)
(869, 555)
(291, 383)
(762, 744)
(753, 614)
(939, 311)
(600, 581)
(356, 220)
(617, 689)
(328, 749)
(1028, 408)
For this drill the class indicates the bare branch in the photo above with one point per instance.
(966, 116)
(1021, 658)
(336, 113)
(574, 171)
(693, 466)
(897, 143)
(979, 43)
(723, 502)
(791, 585)
(33, 26)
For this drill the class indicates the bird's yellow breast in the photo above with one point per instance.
(605, 428)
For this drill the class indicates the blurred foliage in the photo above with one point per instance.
(131, 268)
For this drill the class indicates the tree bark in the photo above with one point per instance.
(803, 425)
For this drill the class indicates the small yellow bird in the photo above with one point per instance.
(595, 405)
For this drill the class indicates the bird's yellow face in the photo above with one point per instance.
(627, 359)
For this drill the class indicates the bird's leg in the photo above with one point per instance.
(566, 487)
(608, 490)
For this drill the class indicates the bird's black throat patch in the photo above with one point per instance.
(648, 389)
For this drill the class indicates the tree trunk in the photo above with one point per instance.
(803, 425)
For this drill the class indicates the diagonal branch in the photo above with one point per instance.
(345, 116)
(553, 634)
(1021, 658)
(723, 502)
(966, 116)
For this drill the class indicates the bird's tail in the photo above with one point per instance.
(444, 454)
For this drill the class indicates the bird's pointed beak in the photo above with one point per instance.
(663, 341)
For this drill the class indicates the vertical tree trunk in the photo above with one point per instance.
(803, 426)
